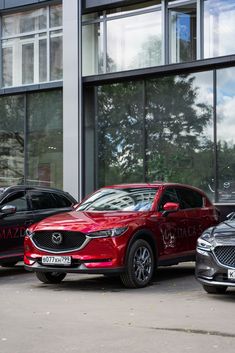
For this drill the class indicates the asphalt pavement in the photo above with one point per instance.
(96, 314)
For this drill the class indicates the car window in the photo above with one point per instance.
(169, 195)
(61, 200)
(189, 198)
(18, 200)
(42, 200)
(126, 199)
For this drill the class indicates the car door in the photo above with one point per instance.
(171, 227)
(13, 226)
(192, 203)
(44, 204)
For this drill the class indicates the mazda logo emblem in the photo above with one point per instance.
(57, 238)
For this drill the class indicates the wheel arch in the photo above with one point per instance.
(149, 237)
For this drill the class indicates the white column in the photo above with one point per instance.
(71, 94)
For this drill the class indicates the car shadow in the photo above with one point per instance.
(100, 283)
(12, 271)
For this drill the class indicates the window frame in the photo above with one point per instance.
(16, 42)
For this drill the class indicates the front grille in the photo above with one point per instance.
(225, 255)
(70, 240)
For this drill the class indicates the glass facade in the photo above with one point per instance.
(134, 42)
(45, 139)
(168, 127)
(219, 27)
(32, 47)
(12, 141)
(31, 139)
(226, 134)
(123, 40)
(164, 131)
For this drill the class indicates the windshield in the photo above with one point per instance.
(128, 199)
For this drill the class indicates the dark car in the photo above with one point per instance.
(21, 206)
(215, 257)
(123, 229)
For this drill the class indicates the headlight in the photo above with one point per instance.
(29, 233)
(205, 241)
(115, 232)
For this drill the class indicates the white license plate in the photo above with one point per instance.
(231, 275)
(56, 260)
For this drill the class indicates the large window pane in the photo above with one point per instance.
(56, 58)
(7, 57)
(226, 134)
(27, 63)
(45, 139)
(12, 140)
(219, 27)
(182, 33)
(92, 49)
(119, 132)
(42, 60)
(23, 22)
(179, 130)
(134, 42)
(56, 16)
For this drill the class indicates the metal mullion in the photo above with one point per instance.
(216, 169)
(33, 33)
(80, 108)
(25, 139)
(48, 45)
(198, 30)
(105, 45)
(165, 27)
(145, 161)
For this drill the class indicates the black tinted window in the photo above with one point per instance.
(18, 200)
(169, 195)
(61, 201)
(189, 198)
(42, 200)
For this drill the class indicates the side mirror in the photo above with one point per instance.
(7, 209)
(170, 207)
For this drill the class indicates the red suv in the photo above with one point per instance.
(122, 229)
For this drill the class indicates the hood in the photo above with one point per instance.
(224, 233)
(87, 222)
(225, 227)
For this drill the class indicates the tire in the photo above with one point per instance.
(50, 277)
(214, 289)
(9, 264)
(139, 265)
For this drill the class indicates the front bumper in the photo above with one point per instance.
(101, 256)
(36, 267)
(209, 271)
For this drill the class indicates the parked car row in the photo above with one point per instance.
(126, 230)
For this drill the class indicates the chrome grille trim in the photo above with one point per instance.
(59, 251)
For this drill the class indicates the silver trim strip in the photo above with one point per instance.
(63, 251)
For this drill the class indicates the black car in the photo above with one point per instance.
(21, 206)
(215, 257)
